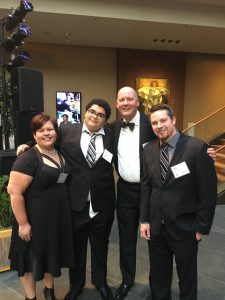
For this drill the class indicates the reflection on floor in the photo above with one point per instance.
(211, 267)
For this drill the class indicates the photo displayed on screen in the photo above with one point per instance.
(68, 107)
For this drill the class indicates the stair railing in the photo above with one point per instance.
(203, 119)
(207, 129)
(219, 149)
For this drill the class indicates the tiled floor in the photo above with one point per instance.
(211, 268)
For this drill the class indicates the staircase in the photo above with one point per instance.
(211, 130)
(220, 160)
(220, 169)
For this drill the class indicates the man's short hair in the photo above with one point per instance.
(102, 103)
(65, 115)
(166, 107)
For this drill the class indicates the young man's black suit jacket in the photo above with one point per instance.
(186, 203)
(128, 203)
(176, 210)
(98, 179)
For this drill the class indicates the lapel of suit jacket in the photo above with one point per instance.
(141, 131)
(146, 136)
(116, 131)
(176, 159)
(77, 138)
(107, 144)
(69, 142)
(142, 127)
(107, 139)
(144, 131)
(117, 127)
(155, 152)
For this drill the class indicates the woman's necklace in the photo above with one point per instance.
(51, 152)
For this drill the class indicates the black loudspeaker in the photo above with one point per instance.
(27, 90)
(23, 133)
(7, 158)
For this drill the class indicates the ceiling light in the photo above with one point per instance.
(18, 61)
(18, 15)
(17, 38)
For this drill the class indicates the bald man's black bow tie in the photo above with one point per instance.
(127, 124)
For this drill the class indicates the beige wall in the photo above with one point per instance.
(91, 71)
(204, 90)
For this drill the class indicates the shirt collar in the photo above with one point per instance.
(173, 141)
(85, 129)
(135, 120)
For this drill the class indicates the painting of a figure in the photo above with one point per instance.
(152, 91)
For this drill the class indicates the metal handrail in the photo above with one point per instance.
(200, 121)
(222, 147)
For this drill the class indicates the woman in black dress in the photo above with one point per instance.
(42, 232)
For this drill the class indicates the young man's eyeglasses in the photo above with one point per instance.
(93, 113)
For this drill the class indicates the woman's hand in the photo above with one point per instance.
(25, 232)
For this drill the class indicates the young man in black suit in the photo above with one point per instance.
(178, 198)
(131, 133)
(92, 192)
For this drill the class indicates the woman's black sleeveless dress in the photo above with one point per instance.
(48, 211)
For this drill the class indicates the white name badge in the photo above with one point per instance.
(107, 155)
(62, 178)
(180, 170)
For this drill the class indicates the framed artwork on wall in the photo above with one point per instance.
(68, 107)
(152, 91)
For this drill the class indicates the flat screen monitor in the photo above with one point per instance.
(69, 104)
